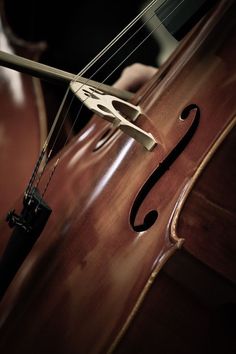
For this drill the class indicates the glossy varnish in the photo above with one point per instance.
(87, 276)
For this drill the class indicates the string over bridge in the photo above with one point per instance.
(120, 113)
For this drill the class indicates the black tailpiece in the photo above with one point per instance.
(27, 228)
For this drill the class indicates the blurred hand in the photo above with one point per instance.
(134, 77)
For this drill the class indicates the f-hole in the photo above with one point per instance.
(151, 217)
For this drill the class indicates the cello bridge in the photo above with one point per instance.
(120, 113)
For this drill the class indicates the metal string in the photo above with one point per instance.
(82, 72)
(87, 67)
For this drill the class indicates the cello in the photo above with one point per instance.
(138, 253)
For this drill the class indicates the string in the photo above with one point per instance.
(83, 71)
(87, 81)
(138, 46)
(126, 58)
(54, 167)
(123, 61)
(125, 30)
(42, 154)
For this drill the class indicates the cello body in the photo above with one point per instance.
(138, 255)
